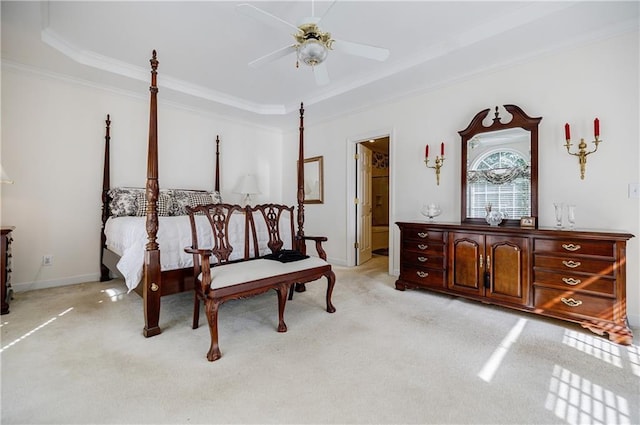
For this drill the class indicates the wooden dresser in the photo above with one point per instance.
(577, 276)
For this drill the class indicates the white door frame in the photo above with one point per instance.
(352, 143)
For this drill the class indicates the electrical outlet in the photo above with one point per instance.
(634, 190)
(47, 260)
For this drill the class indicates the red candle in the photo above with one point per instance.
(426, 151)
(596, 127)
(567, 134)
(442, 149)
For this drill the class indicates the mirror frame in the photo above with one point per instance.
(313, 171)
(476, 126)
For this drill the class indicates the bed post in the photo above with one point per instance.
(300, 231)
(152, 278)
(106, 184)
(217, 182)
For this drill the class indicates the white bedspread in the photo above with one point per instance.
(127, 237)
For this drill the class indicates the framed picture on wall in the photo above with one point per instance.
(313, 181)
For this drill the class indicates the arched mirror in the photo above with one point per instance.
(500, 167)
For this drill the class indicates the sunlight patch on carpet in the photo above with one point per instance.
(31, 332)
(491, 366)
(577, 400)
(597, 347)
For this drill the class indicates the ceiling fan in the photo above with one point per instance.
(312, 45)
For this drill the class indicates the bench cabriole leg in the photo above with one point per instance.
(283, 291)
(211, 307)
(331, 281)
(196, 311)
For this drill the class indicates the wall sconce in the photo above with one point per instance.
(439, 161)
(247, 186)
(582, 146)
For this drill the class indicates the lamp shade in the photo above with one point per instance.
(248, 185)
(4, 178)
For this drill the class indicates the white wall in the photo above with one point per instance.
(575, 86)
(53, 148)
(53, 132)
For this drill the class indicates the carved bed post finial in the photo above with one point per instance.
(301, 176)
(217, 182)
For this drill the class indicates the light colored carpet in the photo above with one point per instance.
(76, 355)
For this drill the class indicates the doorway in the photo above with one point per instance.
(373, 200)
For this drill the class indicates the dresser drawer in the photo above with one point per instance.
(575, 282)
(423, 259)
(575, 264)
(421, 234)
(567, 301)
(422, 276)
(423, 247)
(576, 247)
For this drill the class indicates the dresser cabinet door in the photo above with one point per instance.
(466, 261)
(507, 262)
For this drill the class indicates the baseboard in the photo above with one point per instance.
(335, 261)
(43, 284)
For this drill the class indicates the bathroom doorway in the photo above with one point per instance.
(372, 177)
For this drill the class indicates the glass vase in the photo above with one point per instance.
(558, 206)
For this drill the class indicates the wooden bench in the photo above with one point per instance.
(236, 264)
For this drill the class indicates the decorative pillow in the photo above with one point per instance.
(180, 202)
(217, 198)
(199, 198)
(190, 198)
(124, 201)
(164, 204)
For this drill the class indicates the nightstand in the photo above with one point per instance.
(5, 266)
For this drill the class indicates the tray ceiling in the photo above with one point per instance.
(204, 47)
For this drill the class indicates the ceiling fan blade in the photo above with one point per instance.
(280, 53)
(363, 50)
(326, 12)
(321, 73)
(266, 17)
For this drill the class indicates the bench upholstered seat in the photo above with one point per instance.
(244, 272)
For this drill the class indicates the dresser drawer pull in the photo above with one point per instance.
(571, 302)
(423, 235)
(571, 264)
(571, 247)
(422, 274)
(571, 281)
(422, 246)
(422, 259)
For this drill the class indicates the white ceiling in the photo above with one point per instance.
(204, 47)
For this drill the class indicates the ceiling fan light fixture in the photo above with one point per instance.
(312, 52)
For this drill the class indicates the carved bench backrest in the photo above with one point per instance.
(278, 220)
(219, 217)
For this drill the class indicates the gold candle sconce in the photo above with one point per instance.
(438, 162)
(582, 152)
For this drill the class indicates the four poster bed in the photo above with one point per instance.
(152, 219)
